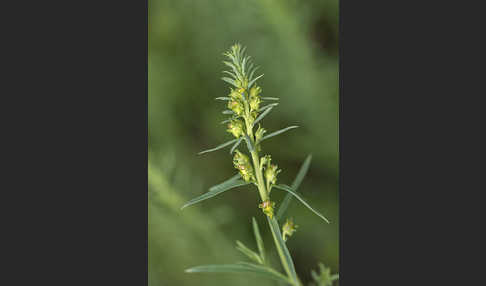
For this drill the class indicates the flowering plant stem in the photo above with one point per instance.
(264, 195)
(244, 108)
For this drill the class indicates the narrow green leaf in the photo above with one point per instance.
(249, 144)
(229, 119)
(259, 240)
(295, 186)
(214, 191)
(231, 74)
(233, 67)
(223, 98)
(230, 55)
(248, 252)
(223, 184)
(218, 147)
(228, 112)
(260, 117)
(242, 52)
(250, 78)
(254, 80)
(236, 145)
(278, 132)
(250, 69)
(270, 98)
(240, 268)
(243, 63)
(302, 172)
(289, 189)
(230, 81)
(287, 262)
(267, 106)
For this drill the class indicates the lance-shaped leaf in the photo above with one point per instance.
(260, 117)
(270, 98)
(295, 186)
(259, 240)
(234, 69)
(227, 112)
(289, 189)
(267, 106)
(260, 270)
(277, 132)
(218, 147)
(286, 259)
(223, 98)
(216, 190)
(254, 80)
(230, 81)
(230, 119)
(232, 179)
(249, 144)
(248, 252)
(252, 72)
(243, 64)
(231, 74)
(236, 145)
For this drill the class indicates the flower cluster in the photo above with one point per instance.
(288, 229)
(236, 128)
(244, 102)
(271, 171)
(242, 163)
(267, 208)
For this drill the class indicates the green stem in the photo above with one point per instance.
(265, 196)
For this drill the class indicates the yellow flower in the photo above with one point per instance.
(236, 106)
(242, 163)
(235, 127)
(267, 208)
(288, 229)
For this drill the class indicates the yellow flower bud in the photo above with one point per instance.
(271, 173)
(259, 133)
(242, 163)
(288, 229)
(235, 127)
(267, 208)
(236, 106)
(235, 95)
(255, 103)
(255, 91)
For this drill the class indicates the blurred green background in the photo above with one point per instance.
(296, 45)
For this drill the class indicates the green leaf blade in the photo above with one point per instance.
(216, 190)
(248, 252)
(258, 238)
(223, 184)
(236, 145)
(287, 261)
(261, 116)
(240, 268)
(278, 132)
(223, 98)
(254, 80)
(267, 106)
(270, 98)
(218, 147)
(295, 186)
(249, 144)
(289, 189)
(230, 81)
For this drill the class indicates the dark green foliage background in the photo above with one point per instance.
(296, 45)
